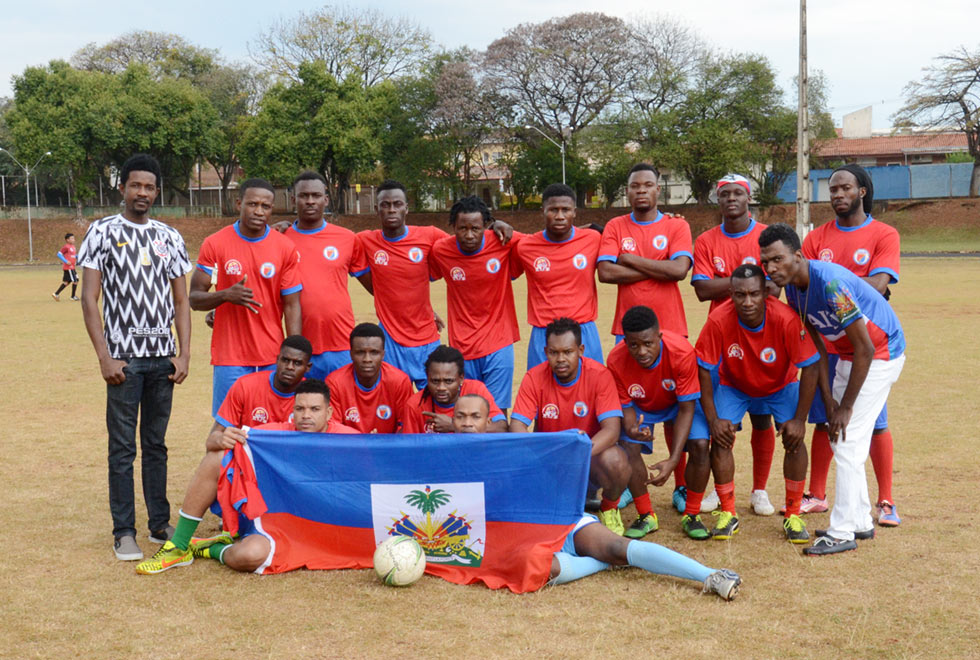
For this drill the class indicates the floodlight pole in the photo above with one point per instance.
(560, 146)
(803, 138)
(27, 187)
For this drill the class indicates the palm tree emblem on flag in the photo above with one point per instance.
(442, 538)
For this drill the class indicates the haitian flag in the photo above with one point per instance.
(489, 508)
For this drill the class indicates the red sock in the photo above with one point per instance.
(693, 506)
(679, 479)
(763, 446)
(726, 493)
(608, 505)
(794, 496)
(642, 504)
(882, 455)
(820, 457)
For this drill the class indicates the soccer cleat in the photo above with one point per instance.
(625, 499)
(679, 498)
(199, 544)
(888, 514)
(694, 528)
(726, 527)
(58, 298)
(642, 526)
(162, 535)
(760, 503)
(724, 583)
(168, 556)
(811, 504)
(860, 536)
(126, 549)
(828, 545)
(795, 530)
(612, 521)
(710, 502)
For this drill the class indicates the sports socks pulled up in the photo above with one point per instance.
(186, 526)
(882, 458)
(726, 495)
(794, 497)
(763, 447)
(821, 456)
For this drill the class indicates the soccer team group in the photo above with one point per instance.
(829, 356)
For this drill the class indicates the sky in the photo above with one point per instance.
(868, 49)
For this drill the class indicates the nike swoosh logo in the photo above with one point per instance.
(118, 244)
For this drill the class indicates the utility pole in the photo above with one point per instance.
(803, 138)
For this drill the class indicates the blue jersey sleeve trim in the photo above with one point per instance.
(205, 269)
(497, 418)
(707, 365)
(292, 289)
(689, 397)
(697, 277)
(684, 253)
(610, 413)
(224, 422)
(810, 360)
(892, 275)
(521, 418)
(358, 273)
(607, 257)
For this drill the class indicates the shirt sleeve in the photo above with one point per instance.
(435, 265)
(887, 254)
(61, 256)
(232, 408)
(496, 414)
(291, 280)
(526, 405)
(91, 254)
(180, 263)
(411, 417)
(358, 261)
(680, 240)
(708, 346)
(609, 243)
(686, 375)
(606, 397)
(703, 268)
(842, 303)
(207, 258)
(803, 352)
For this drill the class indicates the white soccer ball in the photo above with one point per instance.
(399, 561)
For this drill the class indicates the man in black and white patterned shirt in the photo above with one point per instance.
(139, 265)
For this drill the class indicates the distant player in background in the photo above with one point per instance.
(256, 277)
(717, 252)
(66, 255)
(559, 264)
(482, 322)
(871, 250)
(369, 394)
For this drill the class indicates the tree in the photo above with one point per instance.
(948, 96)
(347, 41)
(164, 55)
(668, 54)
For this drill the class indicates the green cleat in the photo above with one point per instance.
(642, 526)
(613, 521)
(167, 557)
(200, 545)
(726, 527)
(795, 529)
(694, 528)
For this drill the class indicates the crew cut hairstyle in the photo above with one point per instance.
(309, 175)
(748, 271)
(367, 330)
(299, 343)
(644, 167)
(314, 386)
(140, 163)
(557, 190)
(639, 319)
(561, 326)
(471, 204)
(255, 183)
(780, 232)
(391, 184)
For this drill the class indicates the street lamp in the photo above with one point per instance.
(27, 186)
(560, 146)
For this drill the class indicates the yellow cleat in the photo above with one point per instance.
(168, 556)
(613, 521)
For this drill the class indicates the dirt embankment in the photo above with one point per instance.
(908, 216)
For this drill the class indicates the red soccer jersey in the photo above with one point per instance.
(560, 276)
(581, 404)
(868, 249)
(717, 253)
(481, 300)
(413, 421)
(672, 378)
(757, 361)
(271, 263)
(327, 256)
(254, 400)
(332, 427)
(400, 274)
(666, 238)
(68, 253)
(374, 410)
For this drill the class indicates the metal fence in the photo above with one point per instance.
(895, 182)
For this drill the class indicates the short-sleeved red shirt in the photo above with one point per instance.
(373, 410)
(717, 253)
(254, 400)
(560, 276)
(672, 378)
(333, 426)
(413, 421)
(581, 404)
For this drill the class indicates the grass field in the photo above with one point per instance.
(908, 594)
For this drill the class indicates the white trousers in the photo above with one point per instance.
(852, 505)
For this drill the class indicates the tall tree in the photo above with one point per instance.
(165, 55)
(948, 96)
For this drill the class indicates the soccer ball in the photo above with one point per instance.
(399, 561)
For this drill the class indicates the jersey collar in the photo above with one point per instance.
(396, 238)
(867, 221)
(272, 384)
(483, 242)
(366, 389)
(741, 233)
(660, 356)
(545, 234)
(575, 380)
(250, 240)
(323, 225)
(660, 215)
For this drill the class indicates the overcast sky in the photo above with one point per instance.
(868, 49)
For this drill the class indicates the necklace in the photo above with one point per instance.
(802, 313)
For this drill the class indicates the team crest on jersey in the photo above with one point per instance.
(415, 254)
(352, 414)
(768, 355)
(719, 264)
(233, 267)
(493, 265)
(457, 274)
(750, 260)
(629, 245)
(636, 391)
(381, 258)
(383, 412)
(735, 351)
(260, 415)
(826, 254)
(160, 247)
(550, 411)
(330, 253)
(580, 409)
(541, 264)
(267, 270)
(660, 242)
(579, 261)
(290, 420)
(861, 256)
(668, 384)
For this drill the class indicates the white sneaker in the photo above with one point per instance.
(710, 502)
(761, 504)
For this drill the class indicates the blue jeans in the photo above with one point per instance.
(147, 390)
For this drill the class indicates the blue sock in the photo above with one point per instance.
(574, 567)
(658, 559)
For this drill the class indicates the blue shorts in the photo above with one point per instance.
(496, 371)
(590, 338)
(699, 424)
(327, 362)
(584, 521)
(223, 377)
(818, 413)
(732, 404)
(410, 359)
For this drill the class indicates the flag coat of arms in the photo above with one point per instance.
(489, 508)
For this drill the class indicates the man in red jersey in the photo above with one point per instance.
(559, 264)
(369, 394)
(68, 257)
(717, 252)
(757, 343)
(255, 273)
(482, 320)
(871, 250)
(311, 413)
(571, 391)
(328, 254)
(430, 410)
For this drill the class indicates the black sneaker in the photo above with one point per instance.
(860, 536)
(162, 535)
(828, 545)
